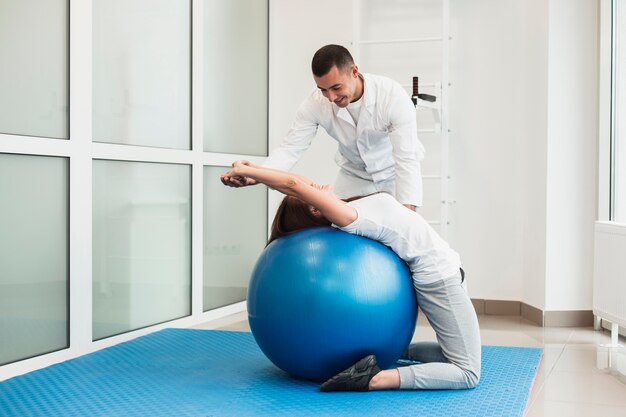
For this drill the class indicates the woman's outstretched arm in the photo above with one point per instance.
(321, 198)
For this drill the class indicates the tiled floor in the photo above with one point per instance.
(568, 383)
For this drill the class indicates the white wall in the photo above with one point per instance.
(522, 142)
(572, 153)
(524, 123)
(297, 30)
(497, 101)
(535, 104)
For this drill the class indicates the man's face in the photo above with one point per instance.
(340, 86)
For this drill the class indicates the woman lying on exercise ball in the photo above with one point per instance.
(452, 363)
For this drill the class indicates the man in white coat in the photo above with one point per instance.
(373, 120)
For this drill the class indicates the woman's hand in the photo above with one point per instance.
(236, 177)
(238, 165)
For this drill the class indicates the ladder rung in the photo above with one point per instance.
(412, 40)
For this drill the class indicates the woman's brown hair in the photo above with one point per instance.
(292, 215)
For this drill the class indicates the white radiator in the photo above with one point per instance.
(609, 276)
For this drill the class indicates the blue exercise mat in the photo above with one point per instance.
(183, 372)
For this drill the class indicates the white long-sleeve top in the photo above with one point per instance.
(384, 219)
(382, 145)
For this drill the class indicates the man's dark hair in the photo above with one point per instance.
(328, 56)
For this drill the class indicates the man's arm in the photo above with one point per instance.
(301, 133)
(298, 140)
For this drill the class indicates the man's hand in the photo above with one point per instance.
(236, 181)
(234, 178)
(410, 206)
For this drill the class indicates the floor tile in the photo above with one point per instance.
(565, 409)
(589, 387)
(233, 322)
(588, 338)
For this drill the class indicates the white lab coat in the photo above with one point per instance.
(381, 149)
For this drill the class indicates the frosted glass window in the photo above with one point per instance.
(235, 233)
(235, 83)
(142, 72)
(33, 256)
(34, 87)
(141, 245)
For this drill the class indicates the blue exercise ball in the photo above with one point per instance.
(321, 299)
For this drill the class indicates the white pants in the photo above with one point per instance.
(348, 185)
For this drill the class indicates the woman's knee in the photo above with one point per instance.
(472, 377)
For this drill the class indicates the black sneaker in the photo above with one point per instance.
(355, 378)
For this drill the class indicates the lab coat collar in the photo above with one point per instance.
(368, 102)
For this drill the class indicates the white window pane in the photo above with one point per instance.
(235, 233)
(141, 72)
(34, 68)
(33, 256)
(619, 150)
(141, 245)
(235, 83)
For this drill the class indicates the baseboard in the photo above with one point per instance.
(577, 318)
(497, 307)
(532, 313)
